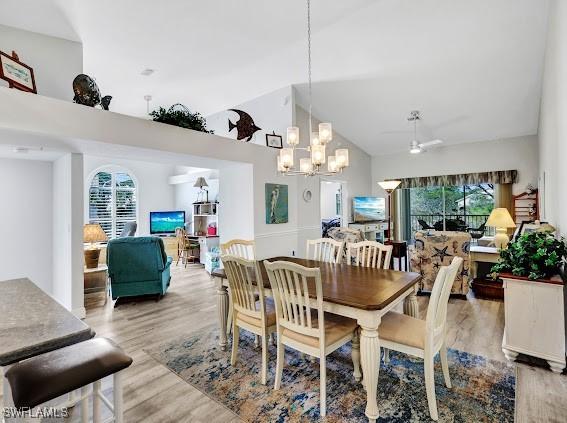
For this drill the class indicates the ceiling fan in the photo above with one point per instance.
(417, 147)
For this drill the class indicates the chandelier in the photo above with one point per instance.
(314, 164)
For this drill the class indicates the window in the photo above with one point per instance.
(112, 201)
(451, 207)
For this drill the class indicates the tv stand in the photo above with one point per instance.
(373, 231)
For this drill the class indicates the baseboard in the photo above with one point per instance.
(80, 312)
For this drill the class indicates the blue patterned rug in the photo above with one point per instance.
(483, 390)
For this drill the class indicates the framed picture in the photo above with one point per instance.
(276, 204)
(525, 227)
(274, 141)
(18, 74)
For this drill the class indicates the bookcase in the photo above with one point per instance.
(526, 207)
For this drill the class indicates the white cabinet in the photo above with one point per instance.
(372, 230)
(534, 321)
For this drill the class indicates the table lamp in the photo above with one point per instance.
(93, 233)
(200, 183)
(501, 220)
(389, 187)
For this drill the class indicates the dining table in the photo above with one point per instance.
(33, 323)
(361, 293)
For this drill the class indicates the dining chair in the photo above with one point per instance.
(424, 338)
(254, 315)
(301, 322)
(369, 254)
(244, 249)
(240, 248)
(325, 249)
(185, 248)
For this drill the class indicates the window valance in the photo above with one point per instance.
(495, 177)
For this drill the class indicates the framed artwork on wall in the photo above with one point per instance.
(274, 141)
(17, 74)
(276, 204)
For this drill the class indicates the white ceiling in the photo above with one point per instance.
(473, 68)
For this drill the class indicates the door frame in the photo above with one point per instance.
(344, 198)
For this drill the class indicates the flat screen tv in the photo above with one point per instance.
(368, 209)
(165, 222)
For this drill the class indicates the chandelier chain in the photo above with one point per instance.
(309, 64)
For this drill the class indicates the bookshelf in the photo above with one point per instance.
(526, 207)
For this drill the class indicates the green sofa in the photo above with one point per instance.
(137, 266)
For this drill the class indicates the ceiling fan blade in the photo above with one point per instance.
(430, 143)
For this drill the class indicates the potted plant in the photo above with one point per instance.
(534, 255)
(179, 115)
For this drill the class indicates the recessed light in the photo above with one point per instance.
(148, 72)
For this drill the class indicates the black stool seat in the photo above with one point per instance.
(48, 376)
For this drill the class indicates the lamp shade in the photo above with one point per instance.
(200, 183)
(500, 218)
(389, 186)
(92, 232)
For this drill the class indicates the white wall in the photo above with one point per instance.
(272, 112)
(237, 209)
(154, 191)
(519, 153)
(26, 221)
(55, 61)
(67, 247)
(553, 122)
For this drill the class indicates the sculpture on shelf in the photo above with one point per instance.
(245, 126)
(87, 92)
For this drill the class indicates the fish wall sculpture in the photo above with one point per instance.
(245, 126)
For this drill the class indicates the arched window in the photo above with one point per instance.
(112, 201)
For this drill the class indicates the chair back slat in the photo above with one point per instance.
(325, 249)
(369, 254)
(242, 275)
(239, 248)
(290, 287)
(437, 310)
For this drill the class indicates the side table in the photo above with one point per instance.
(400, 251)
(96, 286)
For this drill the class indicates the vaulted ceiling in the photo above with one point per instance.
(473, 68)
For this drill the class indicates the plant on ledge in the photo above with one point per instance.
(179, 115)
(537, 255)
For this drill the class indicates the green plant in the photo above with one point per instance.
(537, 255)
(179, 115)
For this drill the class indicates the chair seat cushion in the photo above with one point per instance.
(48, 376)
(336, 327)
(270, 315)
(402, 329)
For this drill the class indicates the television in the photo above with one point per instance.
(165, 222)
(368, 209)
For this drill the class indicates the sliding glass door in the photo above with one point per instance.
(451, 208)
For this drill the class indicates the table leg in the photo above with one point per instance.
(370, 358)
(411, 308)
(222, 303)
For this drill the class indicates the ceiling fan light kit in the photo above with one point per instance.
(415, 146)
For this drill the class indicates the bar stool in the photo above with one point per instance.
(48, 376)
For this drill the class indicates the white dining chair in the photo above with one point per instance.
(240, 248)
(325, 249)
(369, 254)
(424, 338)
(254, 315)
(245, 249)
(301, 322)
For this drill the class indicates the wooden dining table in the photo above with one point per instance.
(361, 293)
(33, 323)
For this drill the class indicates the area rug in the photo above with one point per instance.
(483, 390)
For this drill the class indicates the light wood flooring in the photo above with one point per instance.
(154, 394)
